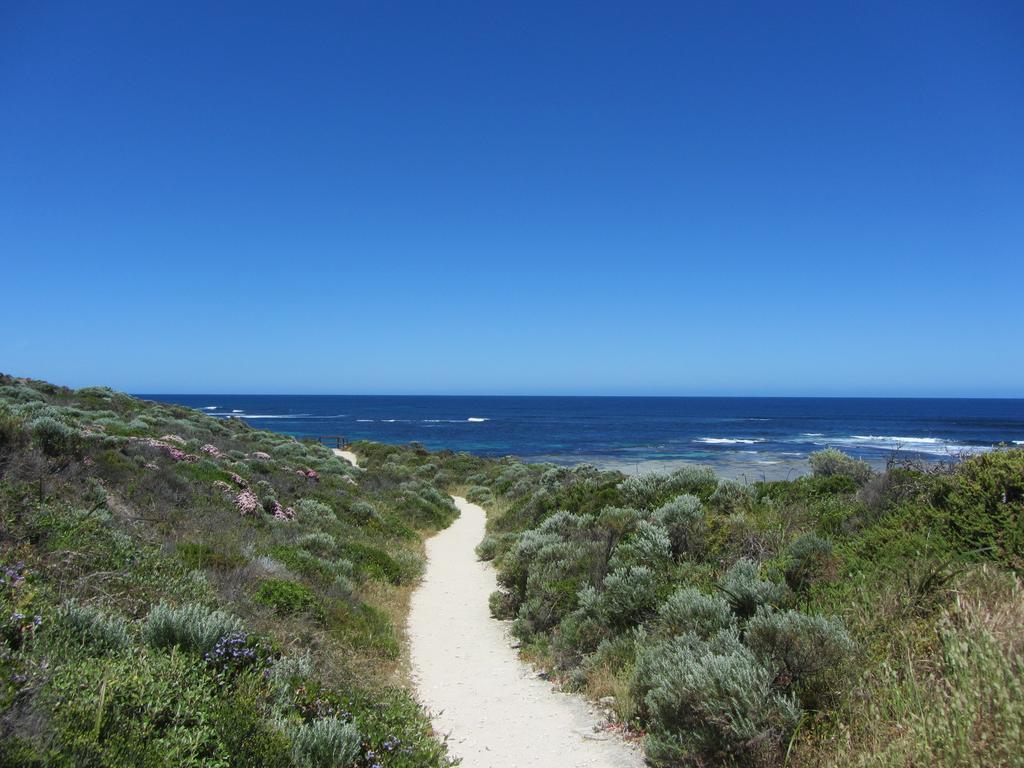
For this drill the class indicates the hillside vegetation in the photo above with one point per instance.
(180, 590)
(844, 618)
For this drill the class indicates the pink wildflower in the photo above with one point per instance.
(247, 503)
(260, 455)
(239, 481)
(309, 474)
(221, 486)
(212, 450)
(281, 513)
(173, 439)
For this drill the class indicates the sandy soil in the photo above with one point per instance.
(347, 456)
(494, 709)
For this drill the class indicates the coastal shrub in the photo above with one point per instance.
(286, 597)
(314, 514)
(317, 542)
(191, 627)
(746, 591)
(479, 494)
(487, 549)
(134, 709)
(683, 518)
(92, 626)
(710, 708)
(325, 743)
(630, 596)
(797, 647)
(696, 479)
(807, 558)
(731, 496)
(647, 545)
(834, 463)
(689, 610)
(642, 491)
(363, 511)
(980, 504)
(54, 437)
(501, 605)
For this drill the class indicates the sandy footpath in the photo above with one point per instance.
(494, 709)
(347, 456)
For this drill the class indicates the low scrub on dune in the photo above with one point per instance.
(847, 617)
(178, 590)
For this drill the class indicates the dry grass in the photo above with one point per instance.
(952, 700)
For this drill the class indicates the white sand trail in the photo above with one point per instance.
(347, 456)
(494, 709)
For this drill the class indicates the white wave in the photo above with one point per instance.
(812, 434)
(1018, 442)
(238, 410)
(934, 446)
(728, 440)
(210, 407)
(476, 419)
(239, 415)
(364, 420)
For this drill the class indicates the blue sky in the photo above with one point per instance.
(594, 198)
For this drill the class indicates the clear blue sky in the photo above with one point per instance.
(523, 197)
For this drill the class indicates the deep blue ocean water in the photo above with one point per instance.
(748, 437)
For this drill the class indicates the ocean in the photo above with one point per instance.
(746, 438)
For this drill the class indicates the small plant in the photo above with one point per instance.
(683, 518)
(54, 437)
(795, 646)
(807, 557)
(714, 708)
(314, 514)
(191, 627)
(286, 597)
(746, 591)
(325, 743)
(94, 627)
(630, 595)
(689, 610)
(834, 463)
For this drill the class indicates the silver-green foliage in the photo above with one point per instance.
(95, 627)
(712, 704)
(647, 545)
(192, 627)
(689, 610)
(746, 591)
(683, 518)
(797, 646)
(629, 596)
(834, 463)
(325, 743)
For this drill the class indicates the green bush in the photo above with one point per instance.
(94, 627)
(325, 743)
(796, 647)
(807, 558)
(630, 596)
(191, 627)
(647, 545)
(479, 494)
(833, 463)
(54, 437)
(710, 706)
(286, 597)
(981, 504)
(683, 518)
(689, 610)
(746, 591)
(314, 514)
